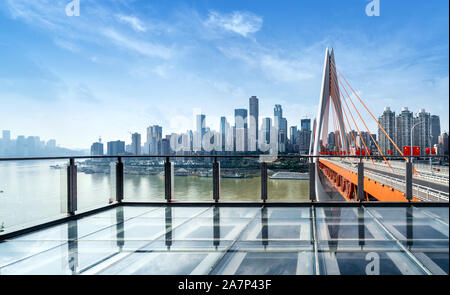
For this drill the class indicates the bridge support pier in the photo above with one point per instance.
(408, 180)
(168, 179)
(360, 195)
(312, 181)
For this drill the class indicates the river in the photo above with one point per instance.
(32, 191)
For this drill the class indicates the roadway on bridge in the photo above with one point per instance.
(433, 185)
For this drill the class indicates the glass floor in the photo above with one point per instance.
(237, 240)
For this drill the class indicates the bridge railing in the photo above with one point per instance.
(85, 183)
(421, 192)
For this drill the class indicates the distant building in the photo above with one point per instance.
(422, 135)
(97, 148)
(116, 148)
(200, 132)
(166, 145)
(443, 143)
(253, 124)
(331, 142)
(265, 130)
(223, 128)
(240, 130)
(51, 145)
(6, 136)
(403, 124)
(305, 124)
(303, 141)
(135, 144)
(387, 121)
(435, 129)
(293, 134)
(154, 138)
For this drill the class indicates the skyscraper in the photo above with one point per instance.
(241, 130)
(303, 141)
(443, 143)
(265, 129)
(293, 134)
(403, 124)
(435, 129)
(223, 126)
(116, 148)
(387, 121)
(422, 135)
(200, 132)
(154, 138)
(97, 148)
(305, 124)
(281, 125)
(136, 143)
(253, 123)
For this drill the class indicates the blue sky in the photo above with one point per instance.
(124, 65)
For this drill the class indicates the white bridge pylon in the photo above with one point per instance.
(329, 95)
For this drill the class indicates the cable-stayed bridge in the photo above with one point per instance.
(358, 172)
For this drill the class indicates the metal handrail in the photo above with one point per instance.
(213, 156)
(421, 192)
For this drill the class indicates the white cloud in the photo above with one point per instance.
(242, 23)
(142, 47)
(288, 69)
(134, 22)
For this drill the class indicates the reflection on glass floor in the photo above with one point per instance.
(237, 240)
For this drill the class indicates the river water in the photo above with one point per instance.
(32, 191)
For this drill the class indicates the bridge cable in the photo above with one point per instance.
(381, 127)
(356, 125)
(360, 135)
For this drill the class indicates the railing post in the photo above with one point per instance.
(408, 180)
(72, 187)
(119, 180)
(264, 181)
(168, 179)
(216, 180)
(360, 195)
(312, 180)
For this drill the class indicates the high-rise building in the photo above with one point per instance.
(303, 141)
(6, 136)
(200, 132)
(443, 143)
(97, 148)
(387, 121)
(165, 143)
(403, 125)
(422, 136)
(281, 125)
(278, 111)
(223, 126)
(363, 140)
(435, 129)
(253, 124)
(136, 143)
(116, 148)
(240, 130)
(154, 138)
(293, 134)
(331, 142)
(305, 124)
(265, 130)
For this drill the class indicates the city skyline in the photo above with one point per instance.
(116, 68)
